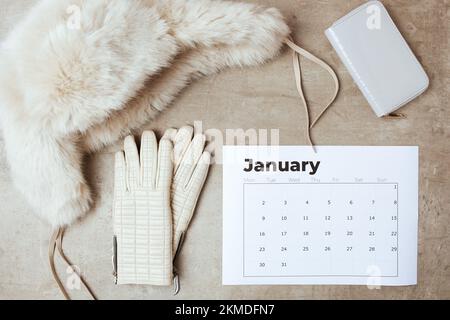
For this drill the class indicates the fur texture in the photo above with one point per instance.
(65, 92)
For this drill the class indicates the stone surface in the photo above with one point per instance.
(261, 98)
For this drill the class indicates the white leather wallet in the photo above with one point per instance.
(378, 58)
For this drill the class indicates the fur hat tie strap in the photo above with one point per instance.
(56, 243)
(296, 53)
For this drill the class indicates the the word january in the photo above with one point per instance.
(282, 166)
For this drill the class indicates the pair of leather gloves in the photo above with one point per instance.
(155, 195)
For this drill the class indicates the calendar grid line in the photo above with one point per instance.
(243, 227)
(318, 276)
(318, 183)
(398, 218)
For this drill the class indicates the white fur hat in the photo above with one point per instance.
(73, 74)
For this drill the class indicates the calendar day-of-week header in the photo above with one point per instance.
(283, 166)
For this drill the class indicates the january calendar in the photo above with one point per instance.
(340, 215)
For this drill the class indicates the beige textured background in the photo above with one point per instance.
(259, 98)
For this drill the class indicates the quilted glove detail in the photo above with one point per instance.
(142, 212)
(191, 169)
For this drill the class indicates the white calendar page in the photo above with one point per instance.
(343, 215)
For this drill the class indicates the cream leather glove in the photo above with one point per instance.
(142, 212)
(191, 169)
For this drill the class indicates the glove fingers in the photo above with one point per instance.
(200, 173)
(132, 163)
(181, 222)
(170, 134)
(181, 143)
(149, 157)
(181, 139)
(190, 160)
(120, 184)
(165, 163)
